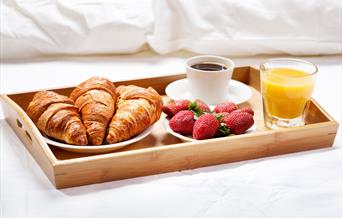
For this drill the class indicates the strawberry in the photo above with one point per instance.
(225, 107)
(222, 114)
(238, 123)
(199, 107)
(205, 127)
(183, 122)
(202, 106)
(174, 107)
(245, 109)
(223, 129)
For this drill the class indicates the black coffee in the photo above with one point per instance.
(209, 66)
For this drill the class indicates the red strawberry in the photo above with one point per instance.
(245, 109)
(238, 123)
(202, 106)
(225, 107)
(174, 107)
(222, 114)
(205, 127)
(183, 122)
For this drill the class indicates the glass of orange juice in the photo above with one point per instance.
(286, 88)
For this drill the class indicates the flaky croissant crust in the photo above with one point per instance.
(95, 99)
(91, 84)
(137, 109)
(42, 100)
(57, 117)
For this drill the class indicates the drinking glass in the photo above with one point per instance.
(286, 87)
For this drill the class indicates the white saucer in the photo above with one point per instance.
(96, 149)
(238, 92)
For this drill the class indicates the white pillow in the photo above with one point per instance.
(36, 27)
(224, 27)
(248, 27)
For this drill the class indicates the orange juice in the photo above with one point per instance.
(286, 92)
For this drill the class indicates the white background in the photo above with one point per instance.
(301, 185)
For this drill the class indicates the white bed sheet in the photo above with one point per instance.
(301, 185)
(249, 27)
(46, 27)
(33, 28)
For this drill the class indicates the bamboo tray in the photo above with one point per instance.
(161, 152)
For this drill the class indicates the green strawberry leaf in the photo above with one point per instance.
(193, 105)
(219, 117)
(194, 108)
(223, 130)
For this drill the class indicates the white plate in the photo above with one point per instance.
(189, 138)
(96, 149)
(238, 92)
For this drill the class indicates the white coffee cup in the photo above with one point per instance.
(209, 85)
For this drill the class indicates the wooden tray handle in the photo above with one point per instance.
(23, 126)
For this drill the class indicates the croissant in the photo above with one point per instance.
(57, 117)
(137, 109)
(95, 99)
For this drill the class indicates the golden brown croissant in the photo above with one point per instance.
(137, 109)
(95, 99)
(57, 117)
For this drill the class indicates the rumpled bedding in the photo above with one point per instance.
(31, 28)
